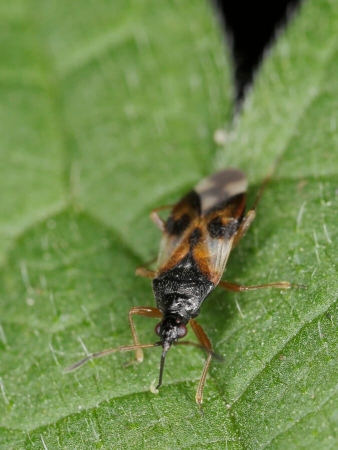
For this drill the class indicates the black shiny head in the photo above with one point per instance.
(170, 329)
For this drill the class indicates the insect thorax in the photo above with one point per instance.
(181, 290)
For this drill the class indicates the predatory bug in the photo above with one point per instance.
(201, 230)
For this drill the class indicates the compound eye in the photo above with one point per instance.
(158, 329)
(182, 331)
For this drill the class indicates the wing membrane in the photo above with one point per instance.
(215, 207)
(180, 220)
(219, 228)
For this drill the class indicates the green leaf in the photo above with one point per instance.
(107, 110)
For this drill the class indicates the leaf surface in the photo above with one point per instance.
(108, 110)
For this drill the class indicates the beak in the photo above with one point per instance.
(166, 347)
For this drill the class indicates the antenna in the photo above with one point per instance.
(109, 351)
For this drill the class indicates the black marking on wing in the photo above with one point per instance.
(186, 210)
(178, 226)
(218, 230)
(195, 237)
(193, 199)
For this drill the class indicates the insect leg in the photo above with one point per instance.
(247, 221)
(146, 273)
(205, 343)
(146, 311)
(195, 344)
(251, 214)
(233, 287)
(156, 218)
(151, 261)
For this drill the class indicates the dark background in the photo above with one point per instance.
(250, 28)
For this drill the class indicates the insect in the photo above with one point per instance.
(198, 236)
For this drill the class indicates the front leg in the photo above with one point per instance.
(205, 344)
(146, 311)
